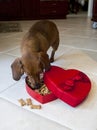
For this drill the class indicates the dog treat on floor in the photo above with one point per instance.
(22, 102)
(35, 106)
(29, 101)
(29, 82)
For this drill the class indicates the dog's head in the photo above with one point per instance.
(33, 65)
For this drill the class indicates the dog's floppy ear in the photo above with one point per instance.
(17, 69)
(44, 59)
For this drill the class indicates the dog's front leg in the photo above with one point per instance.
(52, 56)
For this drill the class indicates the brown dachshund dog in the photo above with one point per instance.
(34, 59)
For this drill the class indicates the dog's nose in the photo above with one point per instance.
(37, 86)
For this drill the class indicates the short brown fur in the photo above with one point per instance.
(34, 46)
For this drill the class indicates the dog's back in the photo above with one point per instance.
(47, 28)
(41, 36)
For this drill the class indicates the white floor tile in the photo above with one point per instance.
(5, 70)
(16, 118)
(15, 52)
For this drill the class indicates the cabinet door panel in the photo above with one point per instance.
(94, 18)
(8, 9)
(29, 9)
(57, 9)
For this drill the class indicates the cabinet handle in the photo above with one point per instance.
(54, 11)
(54, 4)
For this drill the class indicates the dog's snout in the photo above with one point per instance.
(16, 79)
(37, 86)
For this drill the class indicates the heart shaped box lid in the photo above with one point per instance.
(71, 86)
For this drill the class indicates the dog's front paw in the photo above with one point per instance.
(51, 60)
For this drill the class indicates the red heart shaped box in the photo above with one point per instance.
(71, 86)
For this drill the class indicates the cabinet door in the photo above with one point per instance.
(8, 9)
(95, 10)
(53, 9)
(29, 9)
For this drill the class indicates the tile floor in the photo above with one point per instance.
(78, 39)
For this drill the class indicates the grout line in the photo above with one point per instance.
(67, 46)
(91, 50)
(10, 49)
(11, 54)
(7, 88)
(78, 36)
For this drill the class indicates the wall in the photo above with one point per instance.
(90, 7)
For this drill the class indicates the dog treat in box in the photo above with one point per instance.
(42, 95)
(43, 90)
(29, 82)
